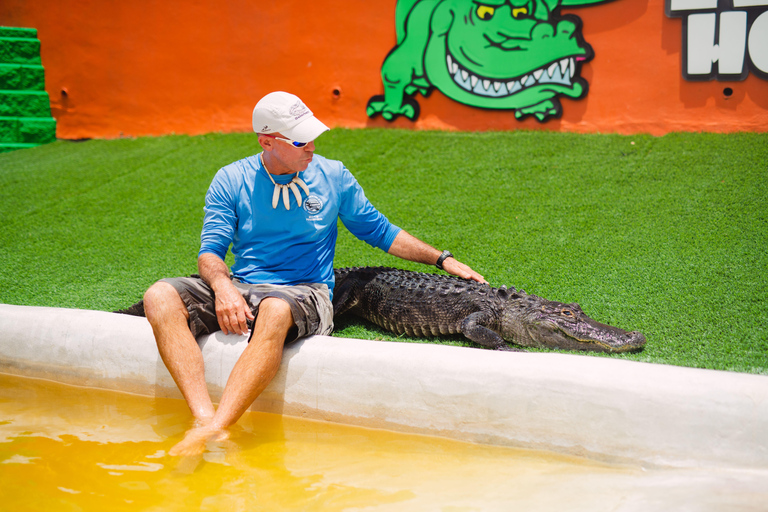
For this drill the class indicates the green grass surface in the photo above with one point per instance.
(665, 235)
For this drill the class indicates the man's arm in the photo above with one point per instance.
(231, 309)
(409, 247)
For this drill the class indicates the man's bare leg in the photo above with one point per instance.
(168, 317)
(253, 371)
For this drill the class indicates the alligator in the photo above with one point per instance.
(420, 304)
(424, 305)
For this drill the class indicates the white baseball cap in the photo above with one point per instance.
(286, 113)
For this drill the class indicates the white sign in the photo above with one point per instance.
(723, 39)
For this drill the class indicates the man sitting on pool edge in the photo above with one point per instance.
(278, 211)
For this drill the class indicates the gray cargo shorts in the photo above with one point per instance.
(310, 305)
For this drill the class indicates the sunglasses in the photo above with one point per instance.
(293, 143)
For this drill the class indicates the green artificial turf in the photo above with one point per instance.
(665, 235)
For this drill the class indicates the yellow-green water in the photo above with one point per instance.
(69, 448)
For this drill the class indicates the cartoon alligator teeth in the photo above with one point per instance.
(560, 72)
(518, 55)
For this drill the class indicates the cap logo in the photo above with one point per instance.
(298, 110)
(266, 128)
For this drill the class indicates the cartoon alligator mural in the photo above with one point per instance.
(420, 304)
(516, 55)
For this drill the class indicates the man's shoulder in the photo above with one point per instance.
(242, 165)
(239, 169)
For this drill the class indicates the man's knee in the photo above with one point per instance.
(275, 305)
(275, 312)
(162, 299)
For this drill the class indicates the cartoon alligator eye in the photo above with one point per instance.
(485, 12)
(519, 12)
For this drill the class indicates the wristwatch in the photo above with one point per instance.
(445, 255)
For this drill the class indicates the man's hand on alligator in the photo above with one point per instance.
(457, 268)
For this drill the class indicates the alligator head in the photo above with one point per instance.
(538, 322)
(504, 53)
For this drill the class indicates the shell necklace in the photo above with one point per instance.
(280, 188)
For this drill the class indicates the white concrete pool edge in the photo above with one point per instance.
(603, 408)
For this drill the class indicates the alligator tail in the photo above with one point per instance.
(135, 310)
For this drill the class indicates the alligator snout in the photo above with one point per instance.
(634, 340)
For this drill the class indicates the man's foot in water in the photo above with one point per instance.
(195, 440)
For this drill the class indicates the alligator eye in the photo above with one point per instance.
(485, 12)
(567, 312)
(519, 12)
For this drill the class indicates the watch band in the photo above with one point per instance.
(444, 256)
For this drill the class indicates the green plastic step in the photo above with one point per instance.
(24, 104)
(37, 130)
(25, 110)
(33, 130)
(21, 77)
(19, 50)
(5, 146)
(9, 129)
(18, 32)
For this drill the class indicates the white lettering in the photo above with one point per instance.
(701, 43)
(728, 53)
(749, 3)
(719, 34)
(758, 42)
(732, 40)
(693, 5)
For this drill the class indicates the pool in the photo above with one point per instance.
(364, 425)
(65, 447)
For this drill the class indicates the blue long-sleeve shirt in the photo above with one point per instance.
(279, 246)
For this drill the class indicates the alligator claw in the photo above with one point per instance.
(378, 105)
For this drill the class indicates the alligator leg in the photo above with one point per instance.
(472, 327)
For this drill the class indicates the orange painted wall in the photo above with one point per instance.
(149, 67)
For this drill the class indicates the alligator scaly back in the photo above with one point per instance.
(421, 304)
